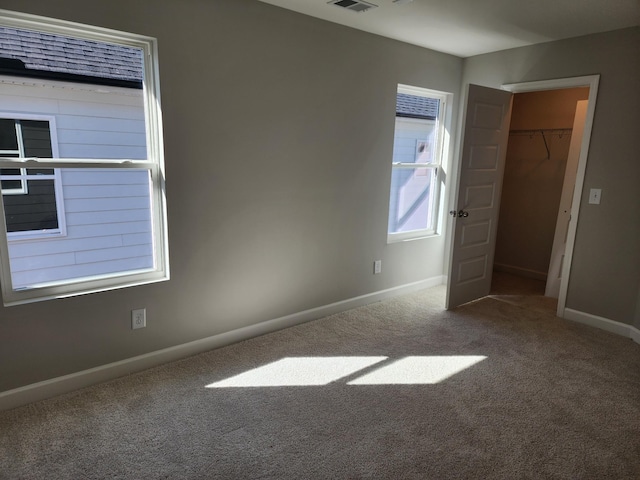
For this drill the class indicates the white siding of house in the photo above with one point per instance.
(408, 131)
(92, 121)
(107, 211)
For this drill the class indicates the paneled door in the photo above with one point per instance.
(486, 132)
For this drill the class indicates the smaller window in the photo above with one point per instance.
(416, 173)
(32, 197)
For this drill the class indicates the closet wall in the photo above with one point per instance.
(539, 141)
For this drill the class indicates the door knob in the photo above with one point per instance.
(459, 213)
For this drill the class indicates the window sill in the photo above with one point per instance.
(410, 236)
(33, 236)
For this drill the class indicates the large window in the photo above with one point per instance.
(81, 165)
(416, 172)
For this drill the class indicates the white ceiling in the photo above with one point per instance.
(471, 27)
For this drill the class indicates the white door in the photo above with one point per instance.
(484, 148)
(552, 288)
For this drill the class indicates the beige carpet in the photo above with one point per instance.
(368, 393)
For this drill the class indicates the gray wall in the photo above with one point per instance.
(278, 139)
(606, 262)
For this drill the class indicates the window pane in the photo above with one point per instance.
(108, 224)
(39, 171)
(416, 123)
(11, 184)
(415, 141)
(411, 205)
(8, 139)
(35, 210)
(36, 138)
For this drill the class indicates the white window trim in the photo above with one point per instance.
(441, 151)
(23, 182)
(61, 231)
(154, 163)
(20, 152)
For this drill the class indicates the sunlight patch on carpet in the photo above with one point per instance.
(316, 371)
(418, 370)
(299, 371)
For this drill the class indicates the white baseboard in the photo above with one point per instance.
(67, 383)
(612, 326)
(522, 272)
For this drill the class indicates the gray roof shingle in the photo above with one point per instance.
(55, 53)
(414, 106)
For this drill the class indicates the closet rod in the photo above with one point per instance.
(542, 131)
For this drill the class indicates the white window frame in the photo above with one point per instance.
(154, 164)
(20, 153)
(440, 153)
(56, 177)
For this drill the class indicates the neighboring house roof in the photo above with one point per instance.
(48, 55)
(414, 106)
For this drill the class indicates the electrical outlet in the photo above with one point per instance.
(377, 267)
(594, 196)
(138, 318)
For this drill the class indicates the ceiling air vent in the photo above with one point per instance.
(357, 6)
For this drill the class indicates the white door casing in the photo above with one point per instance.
(591, 81)
(552, 288)
(475, 215)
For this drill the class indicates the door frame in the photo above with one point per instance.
(592, 82)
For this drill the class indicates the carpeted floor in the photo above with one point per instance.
(367, 393)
